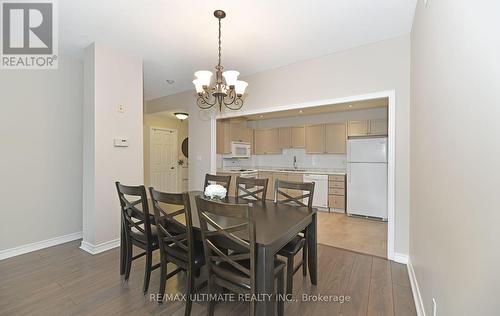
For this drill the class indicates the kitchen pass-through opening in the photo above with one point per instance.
(344, 147)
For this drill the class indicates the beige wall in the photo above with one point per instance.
(104, 89)
(41, 153)
(371, 68)
(162, 120)
(455, 145)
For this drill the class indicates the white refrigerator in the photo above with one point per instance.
(367, 177)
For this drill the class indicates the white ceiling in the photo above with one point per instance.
(177, 37)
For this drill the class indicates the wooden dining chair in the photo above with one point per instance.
(217, 179)
(137, 228)
(294, 193)
(230, 249)
(251, 189)
(174, 225)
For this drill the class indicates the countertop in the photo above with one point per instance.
(303, 171)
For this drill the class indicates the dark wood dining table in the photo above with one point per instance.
(275, 225)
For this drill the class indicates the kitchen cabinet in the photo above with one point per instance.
(232, 184)
(315, 139)
(283, 176)
(270, 183)
(285, 137)
(223, 137)
(378, 127)
(335, 135)
(357, 128)
(375, 127)
(297, 177)
(336, 192)
(298, 137)
(292, 137)
(239, 131)
(266, 141)
(232, 130)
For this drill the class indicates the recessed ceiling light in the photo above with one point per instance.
(300, 111)
(170, 81)
(261, 116)
(349, 106)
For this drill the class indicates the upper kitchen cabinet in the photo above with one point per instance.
(298, 137)
(266, 141)
(315, 139)
(223, 137)
(285, 137)
(292, 137)
(239, 131)
(232, 130)
(375, 127)
(357, 128)
(335, 135)
(378, 127)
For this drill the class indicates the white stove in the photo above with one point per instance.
(247, 173)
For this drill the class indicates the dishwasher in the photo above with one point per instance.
(320, 198)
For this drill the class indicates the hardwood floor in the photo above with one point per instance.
(351, 233)
(64, 280)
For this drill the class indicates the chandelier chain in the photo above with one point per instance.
(220, 42)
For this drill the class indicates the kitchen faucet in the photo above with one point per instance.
(295, 162)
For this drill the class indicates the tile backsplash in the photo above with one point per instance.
(285, 160)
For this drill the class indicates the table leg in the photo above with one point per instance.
(265, 281)
(312, 248)
(123, 254)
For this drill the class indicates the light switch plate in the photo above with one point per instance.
(120, 108)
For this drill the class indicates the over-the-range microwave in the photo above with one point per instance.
(239, 150)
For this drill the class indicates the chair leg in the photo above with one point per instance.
(211, 304)
(190, 287)
(163, 282)
(128, 262)
(289, 275)
(147, 270)
(281, 290)
(304, 260)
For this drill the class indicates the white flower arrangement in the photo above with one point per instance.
(215, 191)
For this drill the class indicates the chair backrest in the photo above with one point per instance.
(174, 224)
(251, 188)
(217, 179)
(133, 217)
(305, 190)
(238, 235)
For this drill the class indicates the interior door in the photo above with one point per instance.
(163, 160)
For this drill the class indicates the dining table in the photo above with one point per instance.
(275, 225)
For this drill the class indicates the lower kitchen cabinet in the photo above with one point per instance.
(270, 183)
(336, 192)
(232, 184)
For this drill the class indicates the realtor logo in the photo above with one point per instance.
(29, 35)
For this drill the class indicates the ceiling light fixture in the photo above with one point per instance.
(227, 90)
(181, 115)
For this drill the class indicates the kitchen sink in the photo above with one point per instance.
(291, 169)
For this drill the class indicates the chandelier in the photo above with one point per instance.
(227, 90)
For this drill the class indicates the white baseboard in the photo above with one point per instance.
(419, 304)
(19, 250)
(95, 249)
(400, 258)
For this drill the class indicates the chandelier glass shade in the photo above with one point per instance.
(225, 90)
